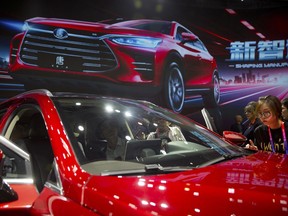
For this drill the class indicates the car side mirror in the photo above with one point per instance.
(7, 194)
(234, 137)
(188, 36)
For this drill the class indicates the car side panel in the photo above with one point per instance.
(51, 203)
(27, 194)
(199, 68)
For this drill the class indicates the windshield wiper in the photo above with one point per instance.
(232, 156)
(153, 167)
(157, 168)
(147, 169)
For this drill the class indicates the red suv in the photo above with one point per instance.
(140, 58)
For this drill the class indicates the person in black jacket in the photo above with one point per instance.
(252, 122)
(272, 134)
(237, 125)
(284, 112)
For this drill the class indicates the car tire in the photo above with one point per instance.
(174, 90)
(212, 99)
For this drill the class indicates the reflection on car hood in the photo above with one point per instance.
(92, 26)
(64, 22)
(257, 183)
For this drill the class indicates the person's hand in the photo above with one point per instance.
(251, 146)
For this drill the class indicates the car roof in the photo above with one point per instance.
(140, 21)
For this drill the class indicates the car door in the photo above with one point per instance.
(192, 56)
(197, 60)
(29, 166)
(18, 168)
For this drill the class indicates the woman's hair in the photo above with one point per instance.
(249, 108)
(253, 103)
(285, 102)
(272, 102)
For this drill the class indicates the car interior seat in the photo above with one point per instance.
(95, 145)
(40, 150)
(18, 135)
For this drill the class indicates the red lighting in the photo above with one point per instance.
(248, 25)
(260, 35)
(230, 11)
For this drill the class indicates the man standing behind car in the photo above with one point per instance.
(109, 130)
(164, 130)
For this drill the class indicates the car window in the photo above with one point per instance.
(193, 44)
(179, 32)
(199, 44)
(27, 131)
(54, 181)
(15, 165)
(108, 135)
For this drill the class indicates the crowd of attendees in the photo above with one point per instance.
(266, 124)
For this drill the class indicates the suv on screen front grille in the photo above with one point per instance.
(142, 58)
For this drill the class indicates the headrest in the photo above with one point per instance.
(37, 129)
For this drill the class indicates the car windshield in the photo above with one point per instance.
(119, 136)
(155, 26)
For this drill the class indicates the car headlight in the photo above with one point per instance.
(25, 27)
(145, 42)
(11, 25)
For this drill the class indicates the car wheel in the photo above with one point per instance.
(212, 99)
(174, 92)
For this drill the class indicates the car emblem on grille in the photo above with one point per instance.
(60, 33)
(59, 60)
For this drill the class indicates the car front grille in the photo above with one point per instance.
(80, 51)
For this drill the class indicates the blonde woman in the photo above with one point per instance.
(252, 122)
(272, 134)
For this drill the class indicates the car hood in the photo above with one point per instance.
(257, 183)
(67, 23)
(93, 26)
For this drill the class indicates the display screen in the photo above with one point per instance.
(218, 56)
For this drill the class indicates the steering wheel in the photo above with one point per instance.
(164, 142)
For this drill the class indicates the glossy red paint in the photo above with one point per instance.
(251, 184)
(257, 183)
(50, 202)
(27, 194)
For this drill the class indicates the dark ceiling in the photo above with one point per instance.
(21, 8)
(206, 18)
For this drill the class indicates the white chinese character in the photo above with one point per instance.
(240, 51)
(249, 54)
(271, 50)
(59, 60)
